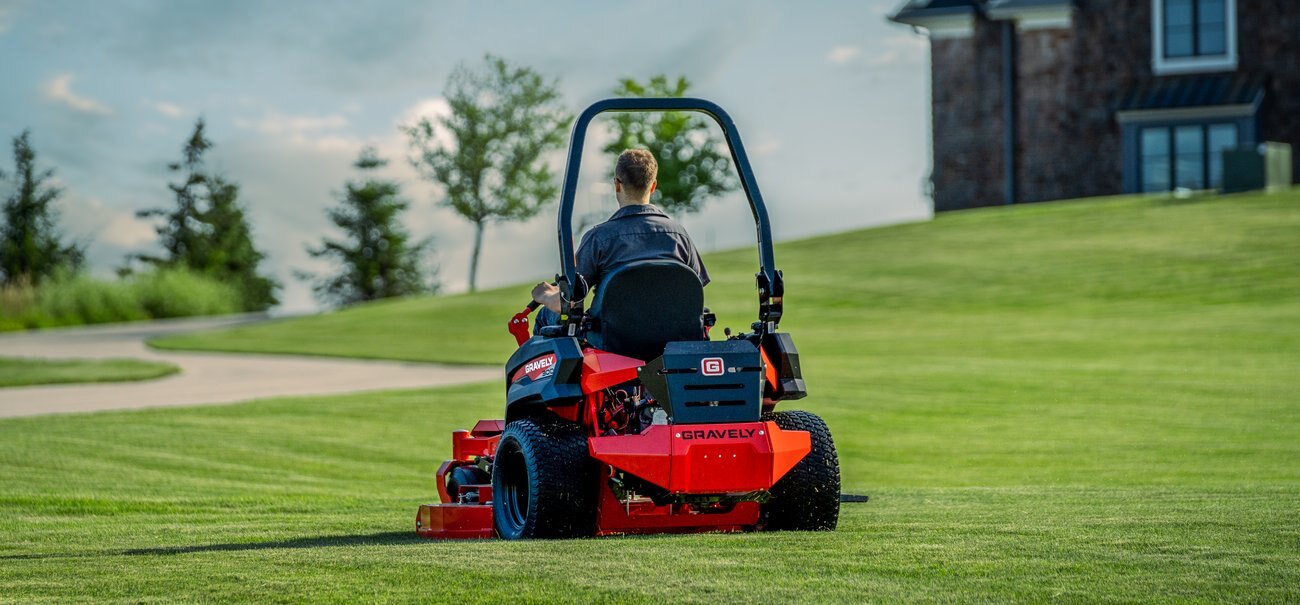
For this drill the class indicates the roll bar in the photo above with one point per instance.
(574, 288)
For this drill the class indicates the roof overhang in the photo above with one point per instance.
(1179, 114)
(939, 19)
(1033, 14)
(1206, 97)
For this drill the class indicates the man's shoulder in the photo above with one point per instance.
(634, 219)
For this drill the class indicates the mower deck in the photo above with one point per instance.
(732, 459)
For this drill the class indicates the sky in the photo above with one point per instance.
(830, 98)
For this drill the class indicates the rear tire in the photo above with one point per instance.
(543, 482)
(808, 497)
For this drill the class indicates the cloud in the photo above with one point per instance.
(170, 110)
(899, 50)
(767, 147)
(127, 231)
(111, 232)
(276, 124)
(843, 54)
(59, 90)
(431, 108)
(902, 49)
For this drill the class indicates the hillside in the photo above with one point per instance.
(1085, 401)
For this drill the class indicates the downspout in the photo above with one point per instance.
(1009, 110)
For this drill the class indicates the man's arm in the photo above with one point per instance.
(585, 259)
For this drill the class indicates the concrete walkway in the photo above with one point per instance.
(205, 377)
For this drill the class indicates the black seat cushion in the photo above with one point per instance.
(644, 305)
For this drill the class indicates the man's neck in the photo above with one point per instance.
(626, 203)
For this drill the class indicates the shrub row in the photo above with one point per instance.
(80, 299)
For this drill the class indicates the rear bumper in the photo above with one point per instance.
(706, 458)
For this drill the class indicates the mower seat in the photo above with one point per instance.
(642, 306)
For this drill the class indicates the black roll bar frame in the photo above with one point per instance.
(573, 287)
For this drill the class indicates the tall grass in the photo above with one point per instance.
(80, 299)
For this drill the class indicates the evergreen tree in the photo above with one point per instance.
(31, 246)
(691, 169)
(377, 258)
(229, 245)
(207, 230)
(503, 119)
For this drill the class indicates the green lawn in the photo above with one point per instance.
(17, 371)
(1093, 401)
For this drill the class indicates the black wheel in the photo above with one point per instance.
(808, 497)
(543, 482)
(465, 475)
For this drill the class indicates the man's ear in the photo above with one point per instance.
(618, 186)
(653, 184)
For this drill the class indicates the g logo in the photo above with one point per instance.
(712, 366)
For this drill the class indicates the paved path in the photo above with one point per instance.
(204, 377)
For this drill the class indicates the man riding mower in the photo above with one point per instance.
(626, 418)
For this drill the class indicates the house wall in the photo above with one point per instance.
(967, 119)
(1110, 56)
(1069, 85)
(1268, 41)
(1048, 134)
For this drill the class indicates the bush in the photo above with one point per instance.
(179, 293)
(79, 299)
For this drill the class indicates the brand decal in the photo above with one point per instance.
(712, 366)
(719, 434)
(539, 364)
(536, 369)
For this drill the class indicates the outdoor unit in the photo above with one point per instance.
(1267, 166)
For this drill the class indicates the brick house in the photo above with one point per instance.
(1039, 100)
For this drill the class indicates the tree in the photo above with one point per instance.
(31, 246)
(377, 258)
(503, 119)
(691, 169)
(207, 231)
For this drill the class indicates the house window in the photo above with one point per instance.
(1184, 156)
(1194, 35)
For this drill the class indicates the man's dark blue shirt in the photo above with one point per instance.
(636, 232)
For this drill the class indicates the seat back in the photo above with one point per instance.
(644, 305)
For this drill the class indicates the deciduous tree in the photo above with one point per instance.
(691, 169)
(488, 153)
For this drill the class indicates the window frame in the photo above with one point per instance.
(1162, 65)
(1171, 158)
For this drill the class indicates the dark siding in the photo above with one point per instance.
(967, 120)
(1070, 83)
(1268, 43)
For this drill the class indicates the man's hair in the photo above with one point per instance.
(636, 169)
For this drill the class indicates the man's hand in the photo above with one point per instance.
(548, 295)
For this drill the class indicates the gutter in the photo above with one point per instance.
(1009, 111)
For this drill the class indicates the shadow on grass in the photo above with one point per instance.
(376, 539)
(388, 538)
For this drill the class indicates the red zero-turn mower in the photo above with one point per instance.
(627, 419)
